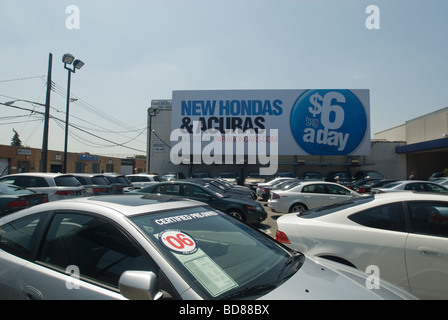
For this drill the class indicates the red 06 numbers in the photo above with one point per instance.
(178, 241)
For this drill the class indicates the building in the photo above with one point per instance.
(22, 159)
(425, 143)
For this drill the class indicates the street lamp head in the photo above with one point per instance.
(78, 64)
(68, 58)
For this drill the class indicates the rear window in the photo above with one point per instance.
(100, 180)
(322, 211)
(67, 181)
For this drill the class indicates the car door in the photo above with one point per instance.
(82, 257)
(336, 193)
(315, 195)
(17, 244)
(427, 250)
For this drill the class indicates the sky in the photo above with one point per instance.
(139, 50)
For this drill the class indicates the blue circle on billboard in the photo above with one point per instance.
(328, 122)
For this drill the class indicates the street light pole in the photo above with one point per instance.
(68, 59)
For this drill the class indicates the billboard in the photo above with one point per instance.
(300, 122)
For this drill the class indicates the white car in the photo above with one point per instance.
(404, 236)
(142, 180)
(270, 183)
(309, 195)
(160, 247)
(58, 186)
(411, 185)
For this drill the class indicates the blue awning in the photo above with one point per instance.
(423, 146)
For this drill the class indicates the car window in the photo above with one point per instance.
(429, 218)
(100, 250)
(66, 181)
(415, 186)
(314, 188)
(19, 236)
(386, 217)
(194, 191)
(171, 189)
(336, 190)
(432, 187)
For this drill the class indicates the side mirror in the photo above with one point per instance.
(139, 285)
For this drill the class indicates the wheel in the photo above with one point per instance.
(298, 207)
(236, 214)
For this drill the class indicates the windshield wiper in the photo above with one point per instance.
(294, 256)
(257, 290)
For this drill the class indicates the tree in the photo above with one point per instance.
(15, 141)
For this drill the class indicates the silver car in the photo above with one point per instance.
(58, 186)
(157, 247)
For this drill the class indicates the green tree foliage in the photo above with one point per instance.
(15, 141)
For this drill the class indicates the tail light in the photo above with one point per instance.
(275, 196)
(265, 190)
(99, 190)
(282, 237)
(65, 192)
(18, 203)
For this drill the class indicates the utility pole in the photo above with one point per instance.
(44, 160)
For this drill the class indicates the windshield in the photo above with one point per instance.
(219, 256)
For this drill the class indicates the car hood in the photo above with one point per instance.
(321, 279)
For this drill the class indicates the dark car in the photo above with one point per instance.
(14, 198)
(340, 177)
(247, 210)
(95, 184)
(119, 182)
(369, 175)
(367, 186)
(228, 188)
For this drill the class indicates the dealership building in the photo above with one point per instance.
(317, 131)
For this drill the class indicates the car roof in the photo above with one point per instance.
(123, 205)
(40, 174)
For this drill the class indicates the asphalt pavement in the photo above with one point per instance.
(269, 226)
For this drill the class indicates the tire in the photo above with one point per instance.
(298, 207)
(236, 214)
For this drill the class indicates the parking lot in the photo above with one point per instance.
(269, 226)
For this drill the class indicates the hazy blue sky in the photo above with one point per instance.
(139, 50)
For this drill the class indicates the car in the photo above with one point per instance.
(367, 185)
(135, 246)
(442, 181)
(200, 174)
(228, 188)
(141, 180)
(172, 176)
(14, 198)
(403, 234)
(95, 184)
(436, 175)
(253, 179)
(271, 182)
(369, 175)
(264, 189)
(229, 176)
(312, 175)
(339, 177)
(410, 185)
(309, 195)
(244, 209)
(57, 186)
(119, 182)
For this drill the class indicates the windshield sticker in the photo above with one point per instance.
(178, 241)
(212, 277)
(185, 217)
